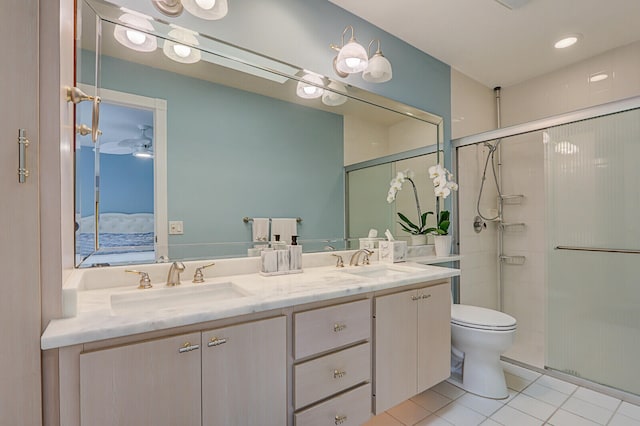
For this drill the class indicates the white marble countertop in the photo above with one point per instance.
(96, 320)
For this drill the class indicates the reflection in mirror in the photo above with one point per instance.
(367, 197)
(241, 143)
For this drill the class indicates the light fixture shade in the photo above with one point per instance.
(207, 9)
(378, 70)
(352, 58)
(143, 152)
(331, 98)
(131, 37)
(310, 91)
(182, 52)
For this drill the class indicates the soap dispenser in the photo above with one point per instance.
(295, 254)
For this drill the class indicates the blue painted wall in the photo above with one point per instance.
(233, 153)
(127, 183)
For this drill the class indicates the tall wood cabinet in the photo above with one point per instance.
(412, 343)
(20, 379)
(233, 376)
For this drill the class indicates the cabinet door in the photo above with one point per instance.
(149, 383)
(395, 349)
(244, 374)
(434, 335)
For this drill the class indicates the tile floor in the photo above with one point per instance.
(534, 400)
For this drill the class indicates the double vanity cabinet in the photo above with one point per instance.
(334, 361)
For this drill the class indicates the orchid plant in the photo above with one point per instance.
(443, 184)
(406, 224)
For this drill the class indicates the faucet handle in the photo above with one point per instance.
(198, 277)
(145, 281)
(367, 253)
(339, 261)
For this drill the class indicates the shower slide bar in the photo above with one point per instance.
(598, 249)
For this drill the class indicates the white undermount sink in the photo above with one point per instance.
(179, 297)
(381, 271)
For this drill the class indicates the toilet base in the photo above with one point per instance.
(484, 376)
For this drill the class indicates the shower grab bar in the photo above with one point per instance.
(598, 249)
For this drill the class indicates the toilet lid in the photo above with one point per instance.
(481, 318)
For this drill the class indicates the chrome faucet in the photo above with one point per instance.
(173, 279)
(339, 261)
(356, 257)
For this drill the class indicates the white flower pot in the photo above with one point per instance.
(419, 240)
(443, 245)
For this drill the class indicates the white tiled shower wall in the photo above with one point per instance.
(473, 111)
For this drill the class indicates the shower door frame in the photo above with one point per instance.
(588, 113)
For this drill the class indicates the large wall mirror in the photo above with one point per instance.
(198, 137)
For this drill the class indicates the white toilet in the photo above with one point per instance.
(480, 336)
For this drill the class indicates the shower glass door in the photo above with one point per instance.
(593, 236)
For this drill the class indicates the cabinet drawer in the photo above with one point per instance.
(330, 374)
(352, 408)
(327, 328)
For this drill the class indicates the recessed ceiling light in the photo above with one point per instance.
(566, 42)
(598, 77)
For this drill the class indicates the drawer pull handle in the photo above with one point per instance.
(188, 347)
(414, 298)
(340, 419)
(339, 327)
(425, 296)
(338, 374)
(217, 341)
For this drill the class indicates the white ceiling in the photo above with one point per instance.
(498, 46)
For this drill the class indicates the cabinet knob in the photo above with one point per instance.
(339, 327)
(217, 341)
(414, 298)
(188, 347)
(340, 419)
(338, 374)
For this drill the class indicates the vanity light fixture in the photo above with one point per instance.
(352, 57)
(182, 52)
(205, 9)
(143, 151)
(594, 78)
(334, 97)
(379, 68)
(135, 38)
(310, 87)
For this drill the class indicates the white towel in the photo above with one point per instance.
(260, 229)
(285, 227)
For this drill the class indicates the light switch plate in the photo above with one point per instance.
(176, 227)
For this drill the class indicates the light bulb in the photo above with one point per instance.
(309, 90)
(136, 37)
(182, 50)
(352, 62)
(206, 4)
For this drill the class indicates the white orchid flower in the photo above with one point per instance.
(435, 171)
(401, 177)
(452, 186)
(440, 181)
(441, 191)
(396, 184)
(409, 173)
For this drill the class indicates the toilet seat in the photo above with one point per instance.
(481, 318)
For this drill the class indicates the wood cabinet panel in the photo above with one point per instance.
(352, 408)
(330, 374)
(395, 349)
(244, 374)
(323, 329)
(434, 336)
(149, 383)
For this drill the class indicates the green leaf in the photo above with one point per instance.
(423, 219)
(444, 216)
(407, 221)
(444, 225)
(406, 229)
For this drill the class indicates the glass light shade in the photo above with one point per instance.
(143, 152)
(310, 91)
(379, 69)
(207, 9)
(182, 52)
(331, 98)
(352, 58)
(134, 38)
